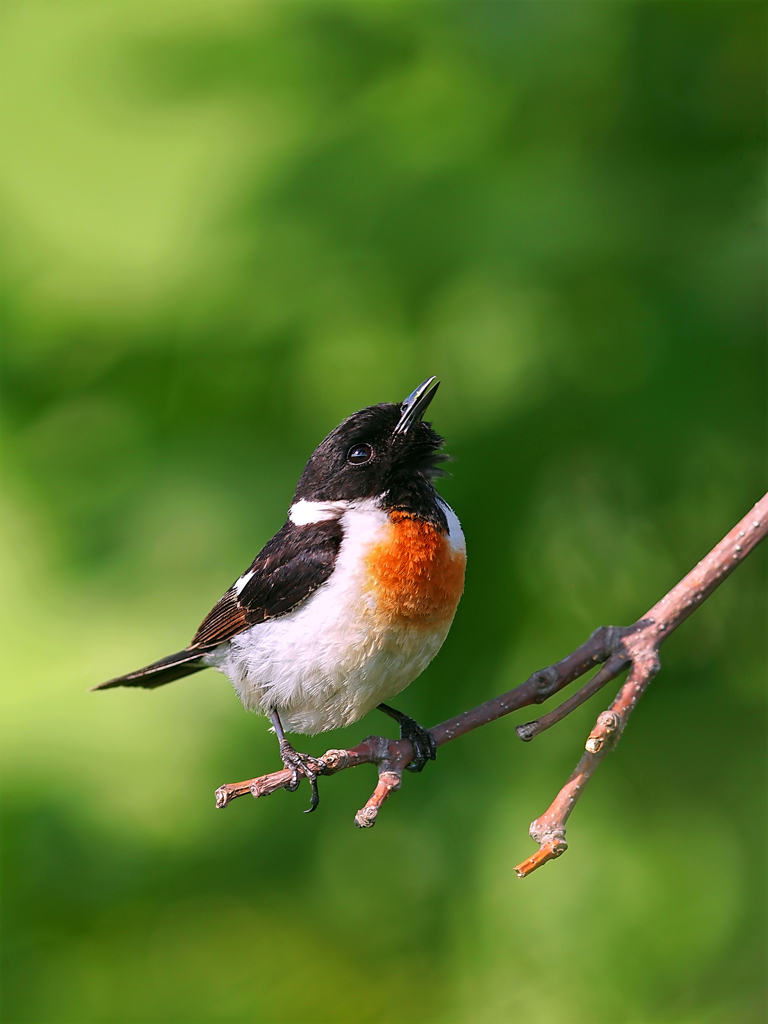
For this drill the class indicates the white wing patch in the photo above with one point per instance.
(238, 586)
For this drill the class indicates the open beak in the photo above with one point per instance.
(415, 405)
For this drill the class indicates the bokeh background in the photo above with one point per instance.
(228, 225)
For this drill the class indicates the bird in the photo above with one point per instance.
(351, 599)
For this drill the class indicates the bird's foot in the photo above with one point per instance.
(424, 746)
(302, 766)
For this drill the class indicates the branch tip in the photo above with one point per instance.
(335, 761)
(550, 850)
(366, 817)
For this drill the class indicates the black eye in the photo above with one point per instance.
(358, 454)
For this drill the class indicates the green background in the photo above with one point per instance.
(227, 225)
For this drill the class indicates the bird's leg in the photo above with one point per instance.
(424, 746)
(299, 764)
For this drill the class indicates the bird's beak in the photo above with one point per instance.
(415, 405)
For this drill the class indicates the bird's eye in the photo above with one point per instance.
(358, 454)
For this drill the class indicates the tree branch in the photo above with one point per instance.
(635, 647)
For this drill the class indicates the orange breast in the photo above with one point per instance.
(416, 574)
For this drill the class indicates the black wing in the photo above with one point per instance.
(297, 561)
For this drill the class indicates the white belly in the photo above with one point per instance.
(333, 659)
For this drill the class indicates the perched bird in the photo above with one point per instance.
(353, 597)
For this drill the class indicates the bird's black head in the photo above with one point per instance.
(383, 451)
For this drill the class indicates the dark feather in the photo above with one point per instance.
(297, 561)
(289, 568)
(227, 618)
(184, 663)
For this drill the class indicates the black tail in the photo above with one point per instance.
(184, 663)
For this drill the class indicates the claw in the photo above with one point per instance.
(315, 798)
(301, 766)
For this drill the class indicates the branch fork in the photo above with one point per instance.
(614, 648)
(389, 756)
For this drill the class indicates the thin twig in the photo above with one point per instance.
(642, 642)
(615, 664)
(635, 646)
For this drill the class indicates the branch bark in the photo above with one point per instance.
(615, 648)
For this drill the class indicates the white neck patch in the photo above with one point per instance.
(305, 513)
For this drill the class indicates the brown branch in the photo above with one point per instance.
(615, 647)
(641, 644)
(615, 664)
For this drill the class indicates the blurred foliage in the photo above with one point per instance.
(228, 225)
